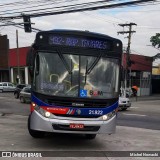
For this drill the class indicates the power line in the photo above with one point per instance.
(147, 27)
(64, 6)
(36, 6)
(19, 25)
(25, 2)
(73, 10)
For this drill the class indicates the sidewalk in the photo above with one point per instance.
(146, 98)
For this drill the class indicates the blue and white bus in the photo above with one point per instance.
(75, 83)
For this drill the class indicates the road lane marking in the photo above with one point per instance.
(129, 114)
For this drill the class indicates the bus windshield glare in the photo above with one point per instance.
(68, 75)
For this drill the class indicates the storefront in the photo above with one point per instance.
(139, 73)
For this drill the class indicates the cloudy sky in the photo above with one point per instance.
(102, 21)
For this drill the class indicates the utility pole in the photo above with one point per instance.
(17, 51)
(128, 62)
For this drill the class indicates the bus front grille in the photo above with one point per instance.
(77, 116)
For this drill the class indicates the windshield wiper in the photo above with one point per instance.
(64, 62)
(85, 78)
(88, 70)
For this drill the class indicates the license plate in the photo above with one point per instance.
(76, 126)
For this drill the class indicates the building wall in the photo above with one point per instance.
(17, 63)
(139, 73)
(4, 47)
(13, 56)
(156, 70)
(141, 63)
(4, 68)
(156, 79)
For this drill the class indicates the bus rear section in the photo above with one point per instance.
(75, 83)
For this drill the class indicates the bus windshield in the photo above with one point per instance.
(68, 75)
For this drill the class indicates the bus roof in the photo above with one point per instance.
(81, 32)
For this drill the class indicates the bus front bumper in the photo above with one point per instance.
(62, 124)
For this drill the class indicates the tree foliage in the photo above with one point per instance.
(155, 40)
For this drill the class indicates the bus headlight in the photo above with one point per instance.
(47, 114)
(108, 116)
(43, 112)
(104, 117)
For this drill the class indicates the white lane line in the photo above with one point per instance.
(128, 114)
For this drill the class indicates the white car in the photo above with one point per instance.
(7, 86)
(124, 103)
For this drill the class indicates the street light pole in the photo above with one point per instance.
(17, 51)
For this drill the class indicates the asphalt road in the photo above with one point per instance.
(10, 105)
(142, 114)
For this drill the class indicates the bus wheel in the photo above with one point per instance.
(33, 133)
(90, 136)
(124, 109)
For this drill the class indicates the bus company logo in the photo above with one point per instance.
(78, 104)
(95, 93)
(6, 154)
(78, 111)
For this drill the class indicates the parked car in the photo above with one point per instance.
(124, 103)
(7, 87)
(25, 95)
(18, 89)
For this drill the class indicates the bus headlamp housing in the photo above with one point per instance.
(43, 112)
(108, 116)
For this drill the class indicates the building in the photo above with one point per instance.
(17, 64)
(4, 67)
(156, 79)
(140, 73)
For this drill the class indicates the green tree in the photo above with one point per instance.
(155, 40)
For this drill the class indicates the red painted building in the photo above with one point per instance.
(140, 72)
(17, 64)
(13, 57)
(140, 62)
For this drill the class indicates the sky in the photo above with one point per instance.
(102, 21)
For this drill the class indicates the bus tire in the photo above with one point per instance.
(124, 109)
(34, 133)
(90, 136)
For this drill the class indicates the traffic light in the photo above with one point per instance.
(27, 23)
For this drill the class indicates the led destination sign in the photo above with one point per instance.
(78, 42)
